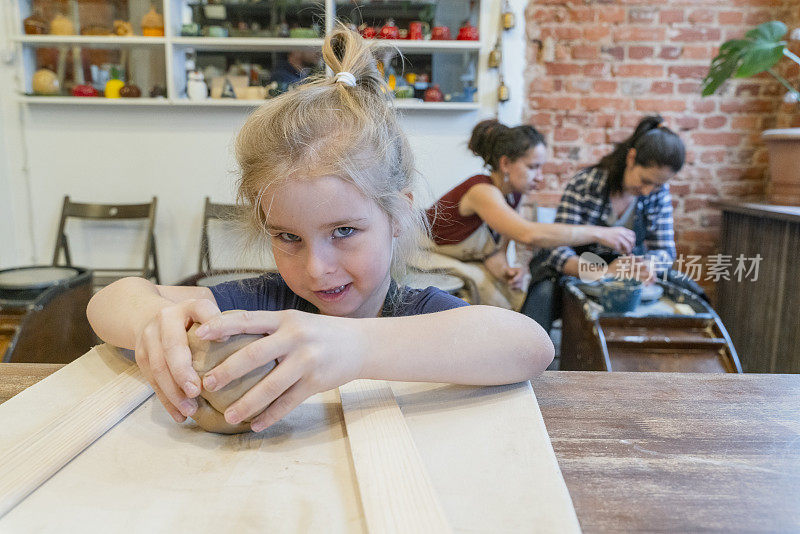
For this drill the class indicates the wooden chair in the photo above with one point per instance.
(206, 274)
(97, 212)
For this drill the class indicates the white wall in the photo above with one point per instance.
(181, 154)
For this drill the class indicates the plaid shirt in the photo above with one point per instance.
(583, 202)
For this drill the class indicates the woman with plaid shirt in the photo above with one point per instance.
(628, 187)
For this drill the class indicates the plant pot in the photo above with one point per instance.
(784, 165)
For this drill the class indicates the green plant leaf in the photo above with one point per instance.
(759, 51)
(724, 65)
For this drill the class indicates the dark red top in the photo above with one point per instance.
(448, 227)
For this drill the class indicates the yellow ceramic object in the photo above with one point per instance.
(152, 24)
(45, 82)
(112, 88)
(60, 25)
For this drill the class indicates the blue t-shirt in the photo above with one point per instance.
(270, 293)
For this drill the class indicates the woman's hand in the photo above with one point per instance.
(617, 238)
(162, 353)
(498, 266)
(314, 353)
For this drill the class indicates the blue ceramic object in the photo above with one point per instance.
(621, 296)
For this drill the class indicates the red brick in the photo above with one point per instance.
(543, 15)
(704, 106)
(553, 102)
(713, 156)
(580, 13)
(585, 51)
(670, 52)
(595, 70)
(758, 17)
(640, 52)
(687, 123)
(701, 16)
(715, 122)
(698, 52)
(617, 52)
(595, 33)
(598, 103)
(639, 33)
(604, 86)
(689, 71)
(696, 204)
(594, 137)
(731, 17)
(662, 88)
(561, 32)
(697, 34)
(541, 120)
(748, 89)
(642, 15)
(671, 16)
(679, 190)
(746, 122)
(562, 69)
(716, 139)
(542, 85)
(641, 71)
(609, 13)
(580, 85)
(660, 105)
(689, 88)
(566, 134)
(747, 106)
(604, 120)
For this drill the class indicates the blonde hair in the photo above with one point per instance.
(325, 127)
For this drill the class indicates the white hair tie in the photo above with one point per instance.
(346, 78)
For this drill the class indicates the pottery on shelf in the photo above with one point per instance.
(467, 32)
(123, 28)
(130, 90)
(84, 90)
(35, 25)
(196, 88)
(152, 23)
(434, 94)
(45, 82)
(61, 25)
(113, 87)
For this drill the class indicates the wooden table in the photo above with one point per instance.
(656, 451)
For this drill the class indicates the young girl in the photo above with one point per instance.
(327, 175)
(626, 189)
(475, 221)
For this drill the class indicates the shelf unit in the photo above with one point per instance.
(173, 47)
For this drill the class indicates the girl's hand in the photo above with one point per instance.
(519, 278)
(617, 238)
(162, 353)
(314, 353)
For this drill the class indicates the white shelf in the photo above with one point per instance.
(92, 101)
(245, 43)
(401, 104)
(427, 47)
(90, 40)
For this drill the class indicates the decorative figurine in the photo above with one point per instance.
(389, 30)
(152, 23)
(123, 28)
(35, 24)
(130, 90)
(467, 32)
(158, 91)
(61, 25)
(45, 82)
(434, 94)
(114, 84)
(84, 90)
(196, 88)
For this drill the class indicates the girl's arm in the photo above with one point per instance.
(136, 314)
(471, 345)
(488, 203)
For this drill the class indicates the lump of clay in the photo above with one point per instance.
(211, 405)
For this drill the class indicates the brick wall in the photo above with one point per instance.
(596, 67)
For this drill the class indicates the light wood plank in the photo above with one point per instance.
(396, 492)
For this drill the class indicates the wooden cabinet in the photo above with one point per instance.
(762, 314)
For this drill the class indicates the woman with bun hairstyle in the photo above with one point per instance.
(475, 221)
(626, 189)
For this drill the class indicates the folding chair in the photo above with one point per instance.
(97, 212)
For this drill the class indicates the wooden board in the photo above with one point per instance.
(485, 448)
